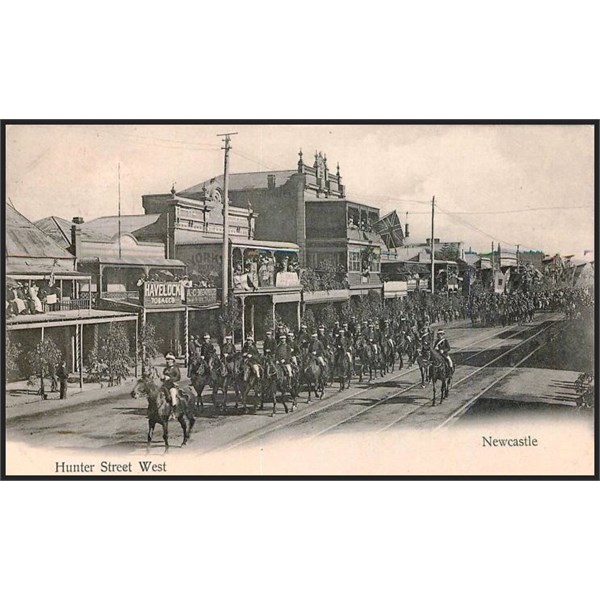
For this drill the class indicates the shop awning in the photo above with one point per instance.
(134, 261)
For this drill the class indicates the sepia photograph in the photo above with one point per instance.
(300, 299)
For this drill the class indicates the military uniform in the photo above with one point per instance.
(227, 349)
(269, 345)
(207, 350)
(303, 338)
(171, 375)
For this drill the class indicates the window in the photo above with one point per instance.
(354, 265)
(375, 263)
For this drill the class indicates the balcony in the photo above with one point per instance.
(260, 281)
(326, 296)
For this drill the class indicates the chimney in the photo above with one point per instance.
(271, 182)
(76, 236)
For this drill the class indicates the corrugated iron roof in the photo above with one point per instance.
(59, 230)
(109, 226)
(24, 239)
(241, 181)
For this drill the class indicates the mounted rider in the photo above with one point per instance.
(251, 354)
(294, 348)
(353, 328)
(442, 345)
(335, 329)
(303, 336)
(425, 334)
(317, 349)
(324, 337)
(207, 349)
(228, 352)
(283, 355)
(269, 345)
(170, 376)
(342, 346)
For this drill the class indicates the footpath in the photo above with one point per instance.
(22, 401)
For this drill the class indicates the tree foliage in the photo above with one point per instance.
(13, 351)
(148, 345)
(113, 358)
(43, 361)
(230, 317)
(309, 320)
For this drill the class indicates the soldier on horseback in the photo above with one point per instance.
(294, 348)
(303, 336)
(207, 349)
(283, 355)
(317, 349)
(269, 345)
(442, 345)
(425, 334)
(342, 346)
(228, 353)
(170, 376)
(323, 337)
(251, 354)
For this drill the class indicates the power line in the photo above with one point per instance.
(519, 210)
(506, 212)
(466, 223)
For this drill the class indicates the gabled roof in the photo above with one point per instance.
(59, 230)
(109, 226)
(24, 239)
(240, 181)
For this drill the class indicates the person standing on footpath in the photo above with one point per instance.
(63, 378)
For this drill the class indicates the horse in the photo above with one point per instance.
(248, 377)
(313, 374)
(160, 410)
(424, 361)
(276, 380)
(368, 360)
(440, 371)
(343, 366)
(388, 355)
(219, 379)
(403, 346)
(200, 378)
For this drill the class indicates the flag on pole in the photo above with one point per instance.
(390, 230)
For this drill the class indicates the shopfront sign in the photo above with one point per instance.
(198, 296)
(163, 293)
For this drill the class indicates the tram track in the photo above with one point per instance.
(418, 384)
(321, 407)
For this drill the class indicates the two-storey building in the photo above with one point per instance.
(47, 296)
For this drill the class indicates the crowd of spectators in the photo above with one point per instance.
(30, 298)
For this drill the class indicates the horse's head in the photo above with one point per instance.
(142, 386)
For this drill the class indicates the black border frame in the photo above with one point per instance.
(591, 122)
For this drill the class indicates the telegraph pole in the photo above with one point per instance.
(119, 170)
(225, 255)
(432, 246)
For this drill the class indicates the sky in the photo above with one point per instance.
(531, 185)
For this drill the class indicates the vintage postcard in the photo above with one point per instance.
(352, 299)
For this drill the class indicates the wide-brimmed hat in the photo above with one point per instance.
(169, 356)
(206, 336)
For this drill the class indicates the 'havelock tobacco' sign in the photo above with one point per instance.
(161, 293)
